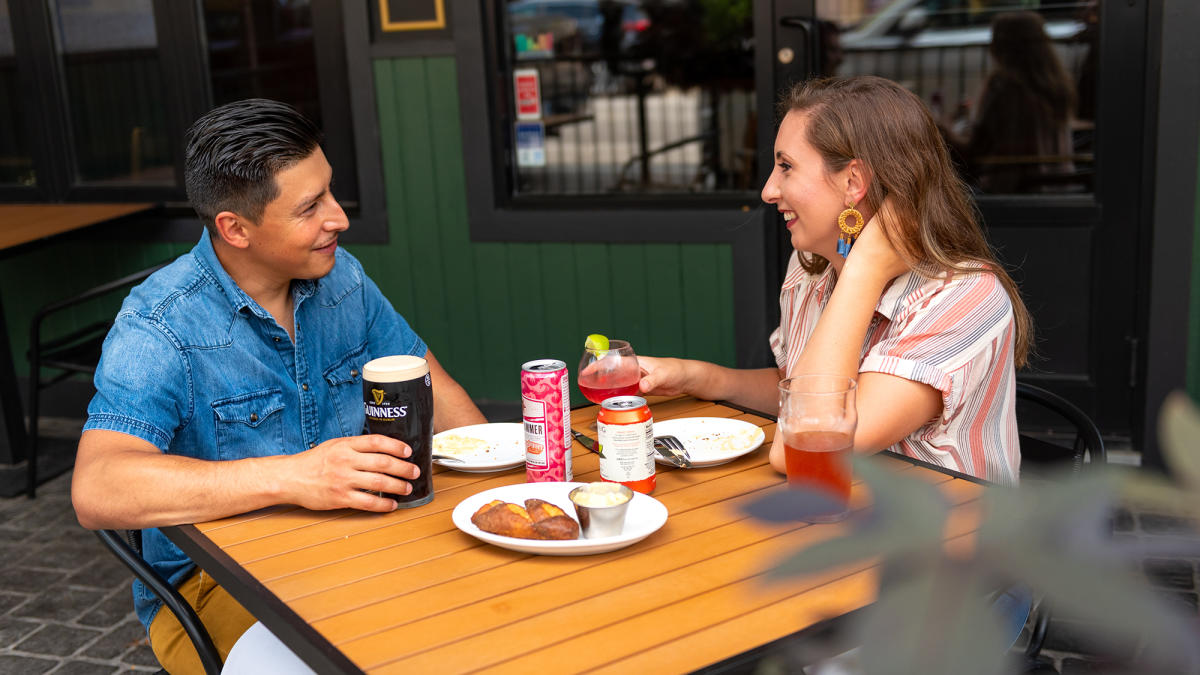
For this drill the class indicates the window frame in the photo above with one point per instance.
(495, 214)
(341, 39)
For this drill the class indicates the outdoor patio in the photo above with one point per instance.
(65, 603)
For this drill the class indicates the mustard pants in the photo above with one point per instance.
(223, 616)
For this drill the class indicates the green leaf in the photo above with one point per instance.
(1149, 491)
(1110, 596)
(907, 520)
(906, 507)
(791, 505)
(1179, 429)
(937, 621)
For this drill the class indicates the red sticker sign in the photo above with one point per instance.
(529, 94)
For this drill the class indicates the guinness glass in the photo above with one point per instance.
(398, 402)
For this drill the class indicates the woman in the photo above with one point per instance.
(919, 311)
(1022, 131)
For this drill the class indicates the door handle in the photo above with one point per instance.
(800, 22)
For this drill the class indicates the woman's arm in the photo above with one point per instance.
(756, 389)
(889, 407)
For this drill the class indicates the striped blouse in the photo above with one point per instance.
(954, 333)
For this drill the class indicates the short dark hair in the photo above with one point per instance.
(235, 150)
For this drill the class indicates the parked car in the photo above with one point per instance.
(915, 24)
(939, 48)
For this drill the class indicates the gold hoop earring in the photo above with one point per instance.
(849, 234)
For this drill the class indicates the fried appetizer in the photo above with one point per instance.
(541, 510)
(509, 520)
(557, 527)
(485, 507)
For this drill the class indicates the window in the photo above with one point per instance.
(115, 84)
(621, 97)
(16, 162)
(269, 50)
(109, 59)
(1012, 82)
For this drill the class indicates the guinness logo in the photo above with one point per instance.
(377, 394)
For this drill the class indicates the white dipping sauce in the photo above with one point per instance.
(600, 494)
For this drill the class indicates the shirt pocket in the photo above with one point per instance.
(250, 425)
(344, 379)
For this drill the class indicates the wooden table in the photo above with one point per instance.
(407, 592)
(21, 226)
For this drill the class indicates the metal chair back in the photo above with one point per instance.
(74, 353)
(127, 546)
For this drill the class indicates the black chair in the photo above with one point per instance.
(1039, 453)
(127, 546)
(74, 353)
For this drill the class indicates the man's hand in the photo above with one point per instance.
(334, 474)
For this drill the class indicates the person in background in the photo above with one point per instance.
(1021, 135)
(231, 379)
(919, 311)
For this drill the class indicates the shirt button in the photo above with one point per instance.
(277, 338)
(253, 417)
(312, 445)
(353, 373)
(304, 386)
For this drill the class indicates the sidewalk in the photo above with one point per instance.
(65, 601)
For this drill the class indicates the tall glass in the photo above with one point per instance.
(817, 417)
(398, 402)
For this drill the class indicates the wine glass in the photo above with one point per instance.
(604, 373)
(817, 417)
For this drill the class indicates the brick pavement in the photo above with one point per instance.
(65, 601)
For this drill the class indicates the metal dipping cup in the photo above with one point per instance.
(602, 521)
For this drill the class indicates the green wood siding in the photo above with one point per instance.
(485, 308)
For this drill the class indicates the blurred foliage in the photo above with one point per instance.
(700, 42)
(934, 611)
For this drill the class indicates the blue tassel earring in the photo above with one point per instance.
(848, 233)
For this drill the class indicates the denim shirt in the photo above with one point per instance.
(199, 369)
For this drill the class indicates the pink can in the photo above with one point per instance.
(546, 410)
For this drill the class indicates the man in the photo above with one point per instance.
(231, 379)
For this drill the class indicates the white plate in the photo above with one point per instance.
(645, 515)
(505, 449)
(711, 440)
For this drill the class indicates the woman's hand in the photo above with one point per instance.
(872, 253)
(663, 377)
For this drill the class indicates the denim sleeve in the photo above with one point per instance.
(387, 332)
(143, 385)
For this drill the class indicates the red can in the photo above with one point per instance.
(626, 431)
(546, 410)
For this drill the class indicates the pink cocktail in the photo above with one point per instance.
(604, 373)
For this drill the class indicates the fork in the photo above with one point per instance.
(677, 448)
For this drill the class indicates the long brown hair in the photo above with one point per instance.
(887, 128)
(1025, 55)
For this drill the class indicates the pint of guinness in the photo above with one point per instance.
(398, 402)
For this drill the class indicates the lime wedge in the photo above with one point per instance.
(596, 342)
